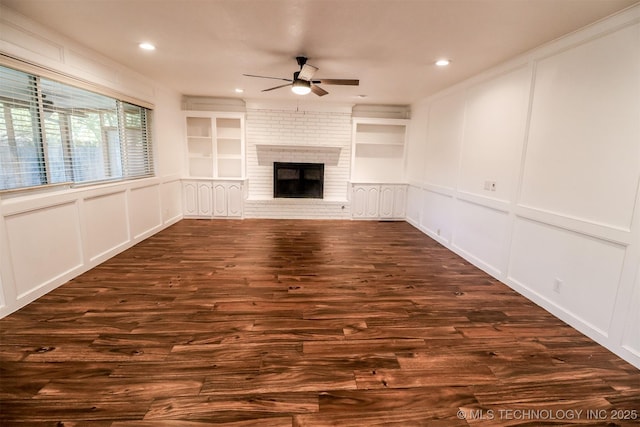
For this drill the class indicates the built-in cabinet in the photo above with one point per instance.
(377, 168)
(378, 201)
(378, 153)
(215, 164)
(205, 198)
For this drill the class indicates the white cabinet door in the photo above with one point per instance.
(358, 202)
(190, 198)
(234, 200)
(400, 201)
(373, 198)
(204, 199)
(387, 196)
(219, 199)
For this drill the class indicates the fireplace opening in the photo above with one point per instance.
(298, 180)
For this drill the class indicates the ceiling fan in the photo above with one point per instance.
(302, 84)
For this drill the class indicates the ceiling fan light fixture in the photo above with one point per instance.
(301, 87)
(302, 83)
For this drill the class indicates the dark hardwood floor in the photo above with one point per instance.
(300, 323)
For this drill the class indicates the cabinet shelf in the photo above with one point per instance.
(215, 144)
(380, 142)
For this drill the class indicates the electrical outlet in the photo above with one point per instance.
(490, 185)
(557, 284)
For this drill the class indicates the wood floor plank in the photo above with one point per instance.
(297, 323)
(339, 362)
(398, 399)
(350, 347)
(103, 408)
(295, 379)
(206, 407)
(541, 392)
(438, 376)
(120, 388)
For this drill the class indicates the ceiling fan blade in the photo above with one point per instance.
(277, 87)
(306, 72)
(344, 82)
(267, 77)
(318, 90)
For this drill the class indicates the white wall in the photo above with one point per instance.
(558, 132)
(49, 237)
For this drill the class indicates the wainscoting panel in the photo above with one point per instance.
(44, 244)
(171, 193)
(480, 234)
(437, 215)
(444, 134)
(577, 273)
(631, 338)
(495, 113)
(414, 204)
(144, 210)
(106, 225)
(582, 157)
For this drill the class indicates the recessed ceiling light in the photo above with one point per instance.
(146, 46)
(238, 90)
(442, 62)
(362, 96)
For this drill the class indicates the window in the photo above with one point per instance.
(51, 132)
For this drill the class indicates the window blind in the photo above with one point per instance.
(21, 150)
(137, 150)
(52, 132)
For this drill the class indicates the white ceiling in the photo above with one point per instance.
(204, 46)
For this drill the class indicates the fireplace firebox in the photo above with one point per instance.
(298, 180)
